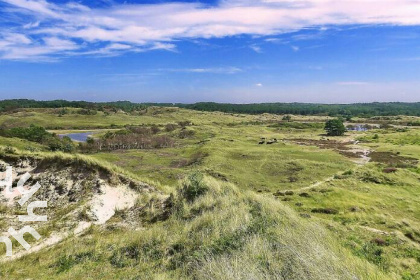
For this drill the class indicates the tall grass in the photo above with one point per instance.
(217, 233)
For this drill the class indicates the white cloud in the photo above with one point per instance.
(18, 47)
(256, 49)
(295, 48)
(157, 26)
(259, 85)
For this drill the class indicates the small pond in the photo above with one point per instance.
(79, 137)
(359, 127)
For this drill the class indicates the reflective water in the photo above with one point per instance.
(360, 127)
(79, 137)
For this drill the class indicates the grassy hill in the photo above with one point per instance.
(305, 206)
(208, 230)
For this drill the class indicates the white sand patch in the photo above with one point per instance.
(103, 206)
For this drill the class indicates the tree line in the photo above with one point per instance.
(345, 110)
(127, 106)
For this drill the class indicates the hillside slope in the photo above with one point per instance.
(207, 229)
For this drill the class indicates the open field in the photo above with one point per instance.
(360, 193)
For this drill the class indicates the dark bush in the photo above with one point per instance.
(87, 112)
(193, 187)
(390, 170)
(378, 241)
(186, 133)
(170, 127)
(304, 194)
(184, 123)
(329, 211)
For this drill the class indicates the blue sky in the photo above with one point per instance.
(238, 51)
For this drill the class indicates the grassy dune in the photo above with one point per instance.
(224, 233)
(290, 210)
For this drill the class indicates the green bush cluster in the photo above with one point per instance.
(193, 186)
(40, 135)
(335, 127)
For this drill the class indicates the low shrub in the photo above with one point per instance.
(193, 187)
(329, 211)
(390, 170)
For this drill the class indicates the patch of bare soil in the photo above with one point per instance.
(393, 159)
(342, 147)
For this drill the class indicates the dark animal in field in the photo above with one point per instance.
(272, 141)
(261, 142)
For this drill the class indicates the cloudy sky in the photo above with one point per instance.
(241, 51)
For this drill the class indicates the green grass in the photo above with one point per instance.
(224, 233)
(233, 153)
(220, 235)
(49, 118)
(367, 210)
(21, 144)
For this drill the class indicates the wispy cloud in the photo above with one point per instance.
(256, 48)
(273, 40)
(217, 70)
(146, 27)
(295, 48)
(31, 25)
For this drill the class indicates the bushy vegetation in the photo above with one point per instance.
(133, 137)
(40, 135)
(335, 127)
(32, 133)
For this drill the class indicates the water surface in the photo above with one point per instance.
(360, 127)
(79, 137)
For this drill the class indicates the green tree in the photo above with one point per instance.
(335, 127)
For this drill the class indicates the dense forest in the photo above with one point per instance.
(362, 109)
(127, 106)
